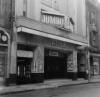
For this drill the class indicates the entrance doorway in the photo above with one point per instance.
(23, 70)
(55, 64)
(3, 64)
(24, 60)
(81, 61)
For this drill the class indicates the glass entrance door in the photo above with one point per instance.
(23, 70)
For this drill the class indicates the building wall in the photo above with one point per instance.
(93, 18)
(76, 12)
(98, 25)
(81, 18)
(31, 11)
(5, 12)
(91, 8)
(32, 8)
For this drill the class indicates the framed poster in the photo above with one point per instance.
(70, 66)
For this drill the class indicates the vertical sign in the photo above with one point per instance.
(75, 60)
(38, 61)
(70, 63)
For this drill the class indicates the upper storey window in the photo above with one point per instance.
(92, 18)
(47, 2)
(51, 3)
(24, 7)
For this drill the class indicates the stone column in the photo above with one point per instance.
(74, 65)
(37, 67)
(88, 71)
(13, 63)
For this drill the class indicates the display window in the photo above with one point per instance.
(96, 65)
(95, 68)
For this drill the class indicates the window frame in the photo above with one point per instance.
(51, 4)
(25, 8)
(92, 19)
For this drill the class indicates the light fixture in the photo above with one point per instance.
(4, 38)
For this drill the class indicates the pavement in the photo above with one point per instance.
(45, 85)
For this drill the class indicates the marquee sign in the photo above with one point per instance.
(3, 37)
(60, 21)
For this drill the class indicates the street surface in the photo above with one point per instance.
(85, 90)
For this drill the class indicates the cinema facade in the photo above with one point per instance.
(37, 50)
(37, 54)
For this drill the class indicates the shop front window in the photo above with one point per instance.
(96, 65)
(93, 37)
